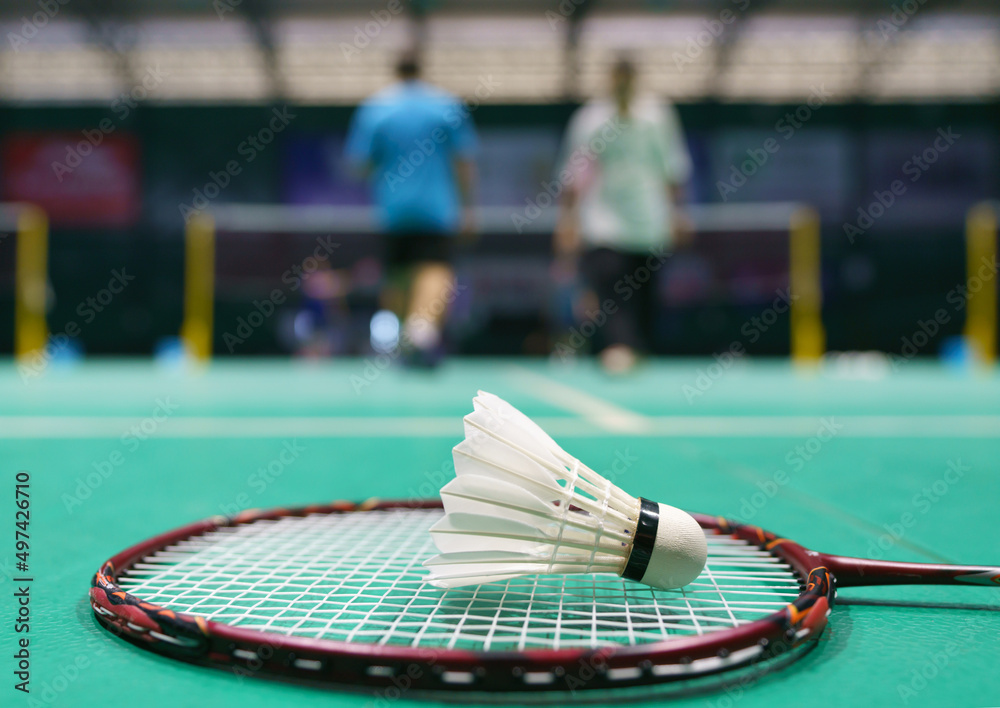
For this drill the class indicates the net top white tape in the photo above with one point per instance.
(357, 577)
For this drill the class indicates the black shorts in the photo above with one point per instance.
(631, 323)
(403, 250)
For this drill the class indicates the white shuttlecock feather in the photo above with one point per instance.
(520, 505)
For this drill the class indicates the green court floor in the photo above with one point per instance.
(175, 447)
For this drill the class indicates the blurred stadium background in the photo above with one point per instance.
(143, 103)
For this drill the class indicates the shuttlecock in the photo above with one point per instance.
(520, 505)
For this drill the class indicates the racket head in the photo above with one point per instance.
(152, 595)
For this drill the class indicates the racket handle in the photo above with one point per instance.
(857, 572)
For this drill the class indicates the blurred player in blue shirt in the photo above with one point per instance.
(416, 143)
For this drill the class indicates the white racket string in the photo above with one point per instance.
(357, 577)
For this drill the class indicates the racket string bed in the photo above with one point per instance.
(340, 596)
(278, 583)
(369, 588)
(358, 578)
(277, 569)
(411, 567)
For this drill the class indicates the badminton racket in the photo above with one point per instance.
(336, 595)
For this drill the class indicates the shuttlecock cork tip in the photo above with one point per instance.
(669, 550)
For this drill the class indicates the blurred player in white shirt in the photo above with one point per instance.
(624, 165)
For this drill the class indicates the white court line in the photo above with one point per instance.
(603, 414)
(803, 426)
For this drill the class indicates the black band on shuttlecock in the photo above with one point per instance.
(645, 537)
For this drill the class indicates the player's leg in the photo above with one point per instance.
(624, 329)
(604, 270)
(431, 291)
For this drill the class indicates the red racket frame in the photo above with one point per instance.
(195, 639)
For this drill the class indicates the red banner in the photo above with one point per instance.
(85, 179)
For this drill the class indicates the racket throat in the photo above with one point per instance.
(861, 572)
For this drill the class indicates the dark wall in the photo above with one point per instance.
(877, 287)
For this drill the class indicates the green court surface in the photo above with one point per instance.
(176, 447)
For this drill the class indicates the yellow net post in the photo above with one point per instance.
(199, 286)
(805, 277)
(981, 253)
(31, 331)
